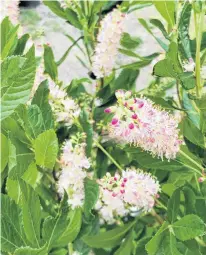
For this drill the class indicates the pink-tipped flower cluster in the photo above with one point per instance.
(108, 39)
(74, 164)
(137, 121)
(131, 193)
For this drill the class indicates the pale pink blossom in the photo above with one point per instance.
(108, 40)
(137, 121)
(10, 8)
(129, 194)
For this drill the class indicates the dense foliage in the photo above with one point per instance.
(109, 169)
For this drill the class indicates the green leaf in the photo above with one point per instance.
(72, 229)
(4, 152)
(13, 190)
(18, 75)
(157, 23)
(140, 246)
(169, 245)
(188, 227)
(183, 30)
(9, 38)
(91, 190)
(127, 245)
(187, 80)
(41, 100)
(191, 109)
(31, 213)
(167, 10)
(146, 26)
(190, 200)
(108, 239)
(31, 175)
(35, 123)
(53, 228)
(154, 244)
(12, 235)
(31, 251)
(129, 42)
(49, 63)
(59, 252)
(19, 50)
(88, 129)
(192, 133)
(46, 149)
(173, 206)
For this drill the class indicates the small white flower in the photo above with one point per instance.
(189, 66)
(10, 8)
(73, 163)
(65, 109)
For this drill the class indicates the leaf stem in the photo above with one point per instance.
(198, 30)
(200, 241)
(108, 155)
(70, 247)
(157, 217)
(193, 161)
(160, 204)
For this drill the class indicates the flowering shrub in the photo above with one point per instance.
(110, 169)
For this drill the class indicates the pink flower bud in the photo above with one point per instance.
(114, 195)
(122, 191)
(157, 195)
(115, 178)
(141, 104)
(114, 121)
(107, 110)
(131, 126)
(125, 180)
(134, 116)
(122, 185)
(201, 179)
(131, 108)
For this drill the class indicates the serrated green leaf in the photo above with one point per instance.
(13, 190)
(169, 245)
(31, 175)
(91, 191)
(188, 227)
(19, 50)
(53, 228)
(127, 245)
(17, 77)
(41, 100)
(167, 10)
(31, 251)
(35, 121)
(9, 38)
(72, 230)
(4, 152)
(31, 213)
(190, 200)
(183, 30)
(154, 244)
(49, 63)
(46, 149)
(108, 239)
(12, 235)
(173, 206)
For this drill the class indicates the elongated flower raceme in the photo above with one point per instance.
(74, 164)
(10, 8)
(131, 193)
(137, 121)
(108, 41)
(65, 109)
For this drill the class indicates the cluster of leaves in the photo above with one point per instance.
(34, 220)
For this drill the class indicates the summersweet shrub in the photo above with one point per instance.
(110, 169)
